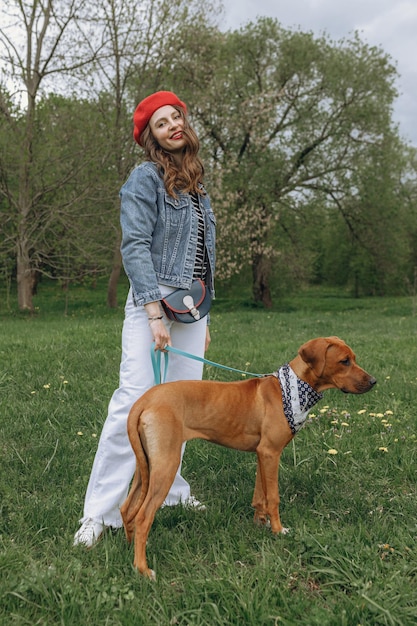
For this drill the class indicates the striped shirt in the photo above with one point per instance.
(200, 267)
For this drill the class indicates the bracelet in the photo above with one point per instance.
(154, 318)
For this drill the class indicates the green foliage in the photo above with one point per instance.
(296, 128)
(75, 216)
(349, 558)
(307, 174)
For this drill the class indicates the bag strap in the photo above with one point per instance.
(156, 363)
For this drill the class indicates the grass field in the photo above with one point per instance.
(348, 482)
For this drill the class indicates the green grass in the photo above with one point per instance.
(350, 558)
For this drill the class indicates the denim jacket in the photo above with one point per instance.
(159, 235)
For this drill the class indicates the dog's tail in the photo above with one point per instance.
(140, 483)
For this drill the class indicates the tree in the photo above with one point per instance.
(409, 202)
(74, 220)
(40, 41)
(286, 117)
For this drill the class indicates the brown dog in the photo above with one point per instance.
(259, 415)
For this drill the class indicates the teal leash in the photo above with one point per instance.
(156, 356)
(160, 376)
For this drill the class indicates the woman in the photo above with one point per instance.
(168, 239)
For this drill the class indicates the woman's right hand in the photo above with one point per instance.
(159, 330)
(160, 334)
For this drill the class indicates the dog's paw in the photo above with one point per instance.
(284, 531)
(261, 519)
(150, 573)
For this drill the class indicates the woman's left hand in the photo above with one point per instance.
(208, 339)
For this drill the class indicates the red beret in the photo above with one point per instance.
(147, 108)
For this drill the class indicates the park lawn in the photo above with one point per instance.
(347, 482)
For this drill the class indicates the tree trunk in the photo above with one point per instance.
(261, 271)
(25, 271)
(25, 204)
(24, 279)
(114, 276)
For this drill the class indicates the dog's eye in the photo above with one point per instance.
(345, 361)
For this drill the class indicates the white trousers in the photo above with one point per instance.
(115, 462)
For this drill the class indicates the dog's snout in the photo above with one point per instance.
(372, 381)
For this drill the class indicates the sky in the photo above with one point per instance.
(388, 24)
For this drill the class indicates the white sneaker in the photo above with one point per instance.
(89, 533)
(193, 503)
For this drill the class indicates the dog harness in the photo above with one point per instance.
(297, 397)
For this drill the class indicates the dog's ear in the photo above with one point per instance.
(314, 353)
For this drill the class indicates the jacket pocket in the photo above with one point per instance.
(176, 208)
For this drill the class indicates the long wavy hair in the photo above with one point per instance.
(188, 178)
